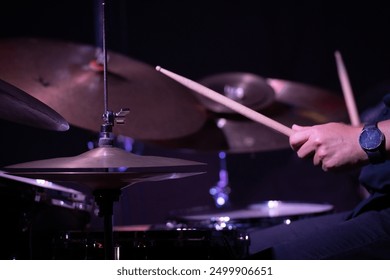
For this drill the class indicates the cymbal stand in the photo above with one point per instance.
(105, 198)
(220, 192)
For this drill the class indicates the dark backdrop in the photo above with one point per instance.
(278, 39)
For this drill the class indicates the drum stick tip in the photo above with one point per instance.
(337, 54)
(158, 68)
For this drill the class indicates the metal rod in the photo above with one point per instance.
(104, 56)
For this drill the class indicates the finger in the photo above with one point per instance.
(296, 127)
(306, 150)
(299, 138)
(317, 160)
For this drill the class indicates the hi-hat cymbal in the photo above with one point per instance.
(65, 76)
(287, 103)
(107, 168)
(20, 107)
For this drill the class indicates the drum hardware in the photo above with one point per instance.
(71, 202)
(220, 191)
(107, 179)
(47, 192)
(106, 170)
(155, 244)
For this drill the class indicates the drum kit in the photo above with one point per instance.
(284, 101)
(53, 84)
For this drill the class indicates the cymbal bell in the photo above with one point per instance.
(20, 107)
(247, 89)
(281, 100)
(107, 168)
(68, 78)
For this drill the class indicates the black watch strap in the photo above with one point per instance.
(377, 155)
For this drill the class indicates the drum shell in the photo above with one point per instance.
(155, 244)
(260, 215)
(60, 211)
(31, 215)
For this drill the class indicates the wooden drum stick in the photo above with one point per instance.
(347, 90)
(235, 106)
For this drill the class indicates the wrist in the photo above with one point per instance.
(373, 143)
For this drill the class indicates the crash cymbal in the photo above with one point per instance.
(20, 107)
(287, 103)
(66, 76)
(107, 168)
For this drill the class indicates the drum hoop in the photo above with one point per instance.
(273, 209)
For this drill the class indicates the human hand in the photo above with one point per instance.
(333, 146)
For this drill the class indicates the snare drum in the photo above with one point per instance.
(262, 214)
(62, 209)
(33, 209)
(47, 199)
(154, 244)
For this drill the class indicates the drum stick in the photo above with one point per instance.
(347, 90)
(235, 106)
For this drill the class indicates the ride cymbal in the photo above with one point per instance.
(68, 78)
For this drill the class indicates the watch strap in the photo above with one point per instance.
(378, 155)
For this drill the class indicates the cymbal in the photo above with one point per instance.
(287, 102)
(66, 76)
(264, 213)
(247, 89)
(318, 105)
(20, 107)
(107, 168)
(40, 184)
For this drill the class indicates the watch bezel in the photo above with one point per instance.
(371, 138)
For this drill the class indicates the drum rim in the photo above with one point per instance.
(231, 214)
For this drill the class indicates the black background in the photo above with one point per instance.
(292, 40)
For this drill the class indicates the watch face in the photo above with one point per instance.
(371, 138)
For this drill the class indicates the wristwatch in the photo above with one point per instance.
(372, 141)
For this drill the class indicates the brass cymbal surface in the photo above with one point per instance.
(18, 106)
(69, 78)
(107, 168)
(247, 89)
(284, 101)
(35, 183)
